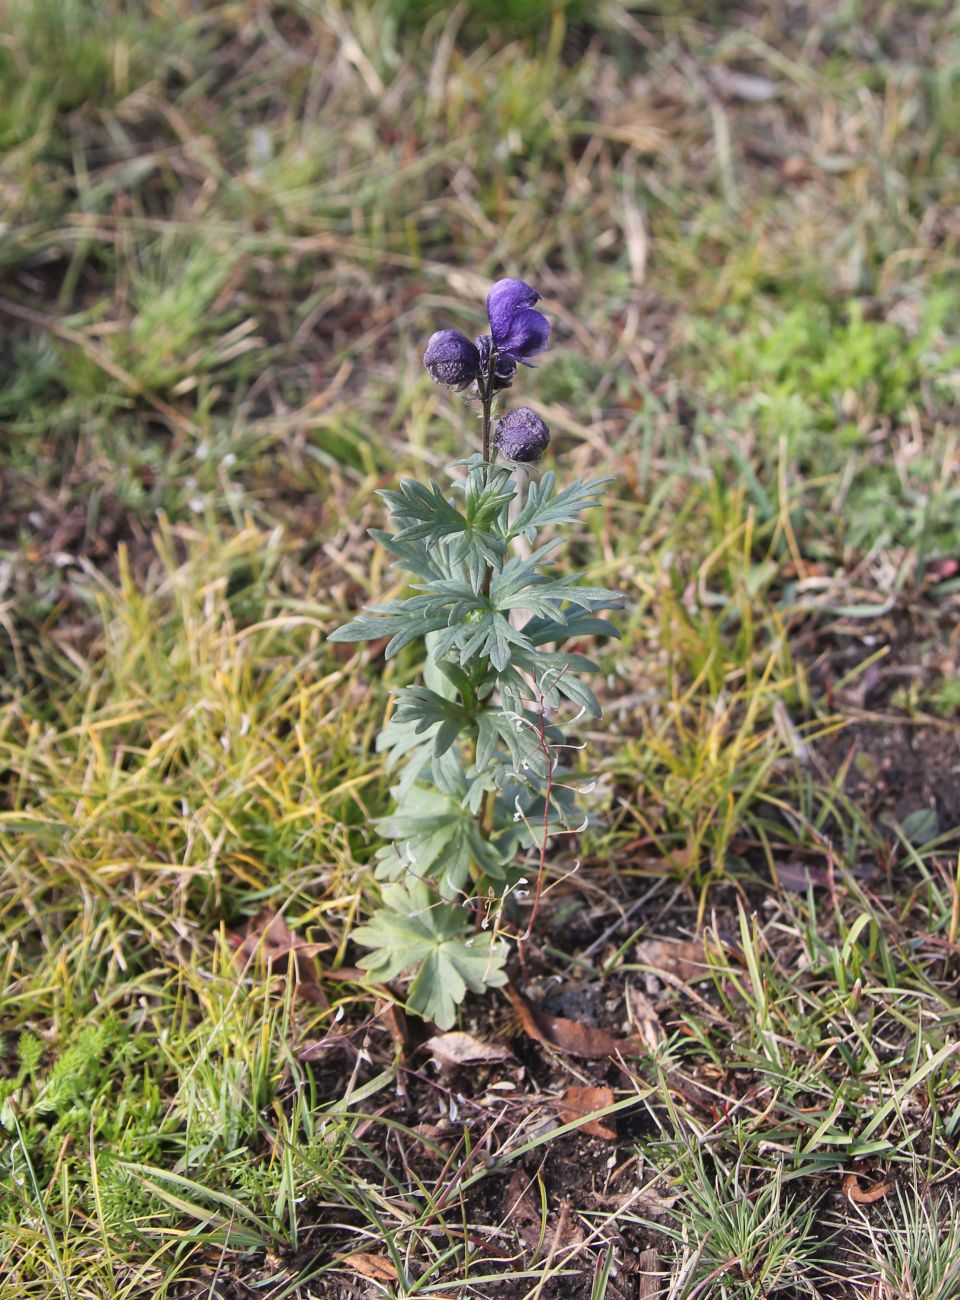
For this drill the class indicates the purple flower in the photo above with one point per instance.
(518, 331)
(521, 435)
(452, 359)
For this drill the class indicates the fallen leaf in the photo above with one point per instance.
(865, 1196)
(456, 1048)
(269, 934)
(568, 1036)
(578, 1102)
(681, 958)
(269, 939)
(375, 1267)
(644, 1016)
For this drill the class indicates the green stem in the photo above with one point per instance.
(486, 398)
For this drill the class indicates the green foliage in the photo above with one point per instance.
(67, 52)
(472, 734)
(816, 366)
(180, 748)
(507, 17)
(917, 1248)
(439, 941)
(176, 332)
(753, 1242)
(819, 379)
(815, 353)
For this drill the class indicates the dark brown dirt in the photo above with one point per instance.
(897, 758)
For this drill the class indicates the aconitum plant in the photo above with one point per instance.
(476, 749)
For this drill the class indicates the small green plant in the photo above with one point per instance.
(738, 1242)
(480, 784)
(918, 1251)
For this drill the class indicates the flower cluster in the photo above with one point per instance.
(517, 332)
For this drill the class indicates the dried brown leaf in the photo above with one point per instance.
(799, 876)
(578, 1102)
(649, 1201)
(375, 1267)
(865, 1196)
(682, 958)
(270, 940)
(268, 935)
(456, 1048)
(568, 1036)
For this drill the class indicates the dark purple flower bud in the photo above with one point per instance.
(518, 331)
(521, 435)
(452, 359)
(504, 369)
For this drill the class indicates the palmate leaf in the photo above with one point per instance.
(474, 539)
(472, 623)
(447, 601)
(412, 931)
(417, 558)
(404, 746)
(486, 636)
(498, 727)
(526, 832)
(522, 586)
(437, 836)
(544, 506)
(556, 677)
(542, 596)
(428, 709)
(422, 511)
(541, 629)
(487, 493)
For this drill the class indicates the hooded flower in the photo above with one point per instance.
(521, 435)
(518, 331)
(451, 359)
